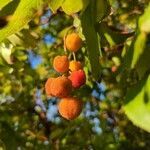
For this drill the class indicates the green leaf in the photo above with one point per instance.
(144, 21)
(139, 46)
(102, 9)
(24, 38)
(137, 107)
(2, 61)
(137, 49)
(25, 11)
(89, 31)
(113, 36)
(142, 65)
(3, 3)
(6, 69)
(10, 8)
(62, 33)
(74, 6)
(77, 25)
(6, 51)
(55, 4)
(137, 55)
(56, 133)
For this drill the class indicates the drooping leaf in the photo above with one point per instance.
(88, 25)
(25, 11)
(137, 106)
(71, 6)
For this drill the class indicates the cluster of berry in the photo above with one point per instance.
(72, 77)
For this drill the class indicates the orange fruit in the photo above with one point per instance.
(70, 108)
(61, 64)
(60, 87)
(75, 65)
(48, 86)
(73, 42)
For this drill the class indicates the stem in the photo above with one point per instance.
(65, 50)
(74, 56)
(69, 57)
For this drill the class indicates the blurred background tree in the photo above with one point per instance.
(115, 55)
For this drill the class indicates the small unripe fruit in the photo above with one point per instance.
(48, 86)
(73, 42)
(60, 87)
(114, 69)
(75, 65)
(77, 78)
(70, 108)
(61, 64)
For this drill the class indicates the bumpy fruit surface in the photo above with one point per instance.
(73, 42)
(75, 65)
(48, 86)
(60, 87)
(70, 108)
(61, 64)
(77, 78)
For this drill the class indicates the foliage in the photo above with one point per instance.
(116, 112)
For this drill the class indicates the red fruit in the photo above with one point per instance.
(77, 78)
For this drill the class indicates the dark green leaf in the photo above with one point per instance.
(102, 9)
(4, 3)
(142, 65)
(88, 25)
